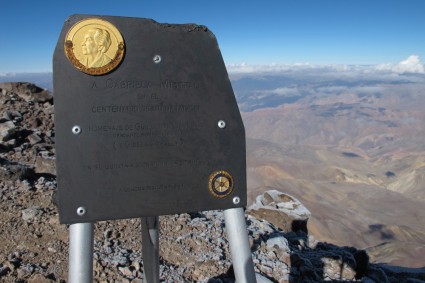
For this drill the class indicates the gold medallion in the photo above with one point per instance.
(221, 184)
(94, 46)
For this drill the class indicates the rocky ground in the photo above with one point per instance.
(193, 247)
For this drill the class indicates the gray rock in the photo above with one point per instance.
(336, 269)
(34, 139)
(277, 243)
(45, 154)
(126, 271)
(136, 265)
(7, 129)
(45, 166)
(25, 185)
(49, 133)
(49, 110)
(30, 213)
(118, 260)
(10, 115)
(4, 270)
(7, 145)
(13, 171)
(282, 210)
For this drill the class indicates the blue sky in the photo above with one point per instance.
(251, 32)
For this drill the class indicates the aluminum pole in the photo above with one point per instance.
(81, 253)
(150, 248)
(239, 245)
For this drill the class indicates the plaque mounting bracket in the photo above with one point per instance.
(81, 249)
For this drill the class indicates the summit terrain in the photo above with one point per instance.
(193, 246)
(349, 150)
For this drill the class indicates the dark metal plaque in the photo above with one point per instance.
(158, 134)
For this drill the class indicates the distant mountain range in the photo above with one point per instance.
(44, 79)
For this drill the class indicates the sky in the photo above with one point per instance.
(352, 32)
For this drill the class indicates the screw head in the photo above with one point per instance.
(236, 200)
(81, 211)
(76, 130)
(221, 124)
(157, 59)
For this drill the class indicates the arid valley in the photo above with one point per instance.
(348, 144)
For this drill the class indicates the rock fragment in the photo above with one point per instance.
(30, 213)
(34, 139)
(13, 171)
(45, 166)
(279, 242)
(282, 210)
(11, 115)
(7, 129)
(4, 270)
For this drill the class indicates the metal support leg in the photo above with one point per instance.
(237, 234)
(81, 253)
(150, 248)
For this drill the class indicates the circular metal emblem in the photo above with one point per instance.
(221, 184)
(94, 46)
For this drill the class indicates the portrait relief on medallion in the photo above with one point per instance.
(96, 43)
(94, 46)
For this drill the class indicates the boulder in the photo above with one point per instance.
(10, 115)
(282, 210)
(7, 129)
(30, 213)
(13, 171)
(45, 166)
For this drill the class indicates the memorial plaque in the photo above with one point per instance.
(146, 121)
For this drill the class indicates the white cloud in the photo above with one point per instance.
(411, 65)
(271, 68)
(283, 91)
(245, 68)
(297, 67)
